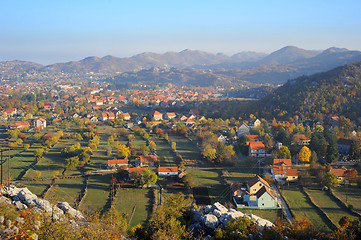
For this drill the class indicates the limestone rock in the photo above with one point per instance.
(210, 221)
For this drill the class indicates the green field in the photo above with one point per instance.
(185, 147)
(239, 175)
(97, 194)
(36, 187)
(142, 199)
(270, 215)
(330, 207)
(353, 194)
(212, 180)
(163, 149)
(65, 190)
(302, 208)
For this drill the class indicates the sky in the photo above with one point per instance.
(52, 31)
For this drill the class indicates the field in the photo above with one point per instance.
(37, 188)
(186, 148)
(330, 207)
(65, 190)
(302, 208)
(353, 194)
(163, 149)
(270, 215)
(141, 199)
(98, 193)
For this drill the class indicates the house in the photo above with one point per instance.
(257, 149)
(20, 125)
(75, 115)
(167, 171)
(118, 163)
(156, 115)
(99, 103)
(254, 123)
(301, 139)
(111, 116)
(10, 112)
(344, 145)
(40, 123)
(125, 116)
(242, 130)
(169, 115)
(93, 119)
(282, 170)
(146, 160)
(339, 172)
(257, 195)
(135, 171)
(104, 117)
(221, 138)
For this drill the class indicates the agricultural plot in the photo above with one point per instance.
(270, 215)
(334, 211)
(163, 149)
(65, 190)
(239, 175)
(38, 187)
(211, 179)
(186, 148)
(302, 208)
(138, 199)
(97, 194)
(351, 195)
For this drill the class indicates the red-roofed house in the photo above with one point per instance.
(339, 172)
(167, 171)
(118, 163)
(156, 115)
(111, 116)
(257, 149)
(146, 160)
(104, 117)
(40, 123)
(282, 170)
(20, 124)
(126, 116)
(169, 115)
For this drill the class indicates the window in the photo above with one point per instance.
(260, 184)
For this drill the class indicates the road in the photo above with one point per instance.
(282, 202)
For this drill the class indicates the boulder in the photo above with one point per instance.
(27, 197)
(196, 215)
(20, 205)
(2, 219)
(206, 209)
(219, 207)
(71, 211)
(217, 213)
(210, 221)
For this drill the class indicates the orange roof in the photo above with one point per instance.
(147, 158)
(170, 114)
(118, 161)
(111, 114)
(126, 114)
(291, 172)
(257, 145)
(42, 119)
(279, 161)
(135, 170)
(253, 138)
(338, 171)
(167, 169)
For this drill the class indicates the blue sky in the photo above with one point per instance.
(59, 30)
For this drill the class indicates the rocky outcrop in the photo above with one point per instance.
(23, 198)
(210, 217)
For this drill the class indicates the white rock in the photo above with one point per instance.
(2, 219)
(217, 213)
(210, 221)
(219, 207)
(20, 220)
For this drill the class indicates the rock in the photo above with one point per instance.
(206, 209)
(27, 197)
(8, 223)
(210, 221)
(235, 214)
(5, 200)
(208, 237)
(217, 213)
(20, 220)
(20, 205)
(196, 215)
(71, 211)
(37, 224)
(15, 229)
(219, 207)
(34, 236)
(16, 198)
(2, 219)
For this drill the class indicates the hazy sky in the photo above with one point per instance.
(52, 31)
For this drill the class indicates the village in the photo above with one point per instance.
(131, 149)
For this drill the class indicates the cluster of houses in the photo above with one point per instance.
(256, 193)
(143, 162)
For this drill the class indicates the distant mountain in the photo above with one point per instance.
(288, 55)
(276, 68)
(337, 91)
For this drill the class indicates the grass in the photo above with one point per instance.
(270, 215)
(330, 207)
(126, 199)
(185, 147)
(302, 208)
(163, 149)
(36, 187)
(239, 175)
(97, 194)
(65, 190)
(210, 178)
(353, 194)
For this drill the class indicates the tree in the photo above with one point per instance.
(144, 149)
(26, 146)
(38, 153)
(284, 152)
(239, 228)
(123, 151)
(152, 146)
(209, 153)
(174, 146)
(304, 154)
(313, 158)
(150, 177)
(350, 174)
(330, 180)
(355, 150)
(72, 163)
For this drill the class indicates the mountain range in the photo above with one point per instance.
(275, 68)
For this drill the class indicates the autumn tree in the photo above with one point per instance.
(123, 151)
(304, 154)
(152, 146)
(330, 180)
(284, 152)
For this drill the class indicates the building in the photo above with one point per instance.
(257, 149)
(301, 139)
(243, 130)
(20, 125)
(146, 160)
(157, 116)
(40, 123)
(344, 145)
(118, 163)
(167, 171)
(169, 115)
(282, 171)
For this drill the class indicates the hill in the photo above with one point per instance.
(337, 91)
